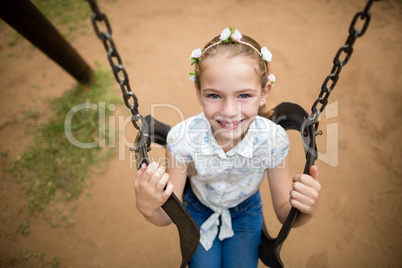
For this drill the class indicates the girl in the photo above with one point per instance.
(225, 151)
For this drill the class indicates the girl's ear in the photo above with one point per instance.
(198, 92)
(265, 92)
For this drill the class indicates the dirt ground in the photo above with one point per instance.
(359, 223)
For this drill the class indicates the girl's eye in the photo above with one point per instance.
(244, 96)
(214, 96)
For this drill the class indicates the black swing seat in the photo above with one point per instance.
(289, 116)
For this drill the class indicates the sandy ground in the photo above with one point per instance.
(359, 224)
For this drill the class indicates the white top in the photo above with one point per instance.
(224, 180)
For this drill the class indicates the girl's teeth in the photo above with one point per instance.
(230, 125)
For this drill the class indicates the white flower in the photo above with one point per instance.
(236, 36)
(225, 34)
(196, 54)
(266, 54)
(272, 79)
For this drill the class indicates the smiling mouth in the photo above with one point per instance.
(228, 125)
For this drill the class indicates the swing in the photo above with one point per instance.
(288, 115)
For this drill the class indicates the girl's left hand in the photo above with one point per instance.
(305, 193)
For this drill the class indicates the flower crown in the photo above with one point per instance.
(230, 36)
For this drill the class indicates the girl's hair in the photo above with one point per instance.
(232, 49)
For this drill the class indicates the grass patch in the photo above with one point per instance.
(14, 39)
(69, 16)
(52, 168)
(25, 227)
(37, 259)
(9, 54)
(32, 113)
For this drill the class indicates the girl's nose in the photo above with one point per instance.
(230, 108)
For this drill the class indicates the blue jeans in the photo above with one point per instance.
(240, 250)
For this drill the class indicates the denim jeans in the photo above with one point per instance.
(240, 250)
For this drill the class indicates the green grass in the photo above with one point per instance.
(25, 227)
(37, 259)
(32, 113)
(63, 11)
(52, 168)
(69, 16)
(14, 39)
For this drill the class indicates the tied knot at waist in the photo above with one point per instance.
(209, 229)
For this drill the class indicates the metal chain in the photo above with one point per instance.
(120, 74)
(347, 50)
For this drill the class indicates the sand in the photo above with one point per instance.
(359, 222)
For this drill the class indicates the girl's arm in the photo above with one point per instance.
(154, 185)
(303, 192)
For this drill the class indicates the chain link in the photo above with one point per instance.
(120, 74)
(346, 52)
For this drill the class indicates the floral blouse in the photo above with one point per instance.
(224, 180)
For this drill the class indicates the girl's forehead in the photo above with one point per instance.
(224, 65)
(230, 72)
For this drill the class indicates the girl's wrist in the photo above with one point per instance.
(158, 217)
(147, 213)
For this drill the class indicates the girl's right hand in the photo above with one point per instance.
(152, 188)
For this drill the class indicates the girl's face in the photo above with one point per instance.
(230, 95)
